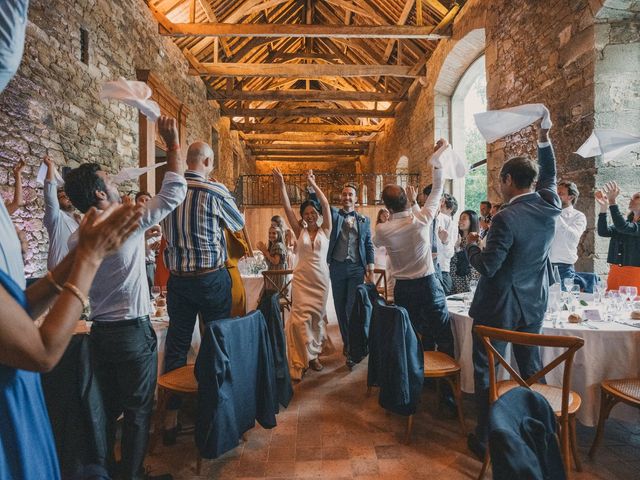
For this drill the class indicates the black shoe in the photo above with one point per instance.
(170, 436)
(478, 449)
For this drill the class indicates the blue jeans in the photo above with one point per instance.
(13, 22)
(208, 295)
(345, 278)
(566, 270)
(424, 300)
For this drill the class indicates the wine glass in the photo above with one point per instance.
(553, 307)
(568, 283)
(632, 293)
(575, 291)
(155, 292)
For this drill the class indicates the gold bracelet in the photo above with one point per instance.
(53, 282)
(79, 295)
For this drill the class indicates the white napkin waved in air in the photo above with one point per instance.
(496, 124)
(607, 142)
(453, 166)
(132, 93)
(42, 174)
(131, 173)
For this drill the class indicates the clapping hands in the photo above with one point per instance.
(443, 235)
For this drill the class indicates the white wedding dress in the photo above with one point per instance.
(306, 327)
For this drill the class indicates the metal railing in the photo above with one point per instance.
(260, 190)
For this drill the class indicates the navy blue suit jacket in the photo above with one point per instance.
(514, 265)
(365, 245)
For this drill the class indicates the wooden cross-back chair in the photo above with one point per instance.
(564, 402)
(380, 279)
(283, 287)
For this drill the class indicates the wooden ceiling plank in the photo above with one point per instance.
(306, 112)
(210, 29)
(308, 95)
(211, 16)
(297, 70)
(353, 129)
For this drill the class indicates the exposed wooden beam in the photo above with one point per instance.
(298, 70)
(305, 112)
(304, 56)
(438, 7)
(303, 137)
(308, 152)
(329, 148)
(305, 127)
(306, 95)
(295, 30)
(303, 158)
(211, 16)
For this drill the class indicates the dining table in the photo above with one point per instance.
(611, 350)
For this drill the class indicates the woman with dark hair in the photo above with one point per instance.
(383, 216)
(306, 329)
(461, 270)
(624, 246)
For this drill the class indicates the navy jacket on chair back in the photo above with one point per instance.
(522, 437)
(236, 383)
(365, 245)
(359, 322)
(514, 264)
(396, 359)
(270, 308)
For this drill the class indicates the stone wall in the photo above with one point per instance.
(617, 104)
(551, 52)
(52, 106)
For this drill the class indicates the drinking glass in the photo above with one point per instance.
(598, 291)
(632, 293)
(155, 292)
(575, 291)
(473, 285)
(568, 283)
(164, 291)
(553, 307)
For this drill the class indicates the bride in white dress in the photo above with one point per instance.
(306, 328)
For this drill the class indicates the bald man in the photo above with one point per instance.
(195, 255)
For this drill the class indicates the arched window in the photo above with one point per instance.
(469, 98)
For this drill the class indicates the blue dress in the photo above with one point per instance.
(27, 449)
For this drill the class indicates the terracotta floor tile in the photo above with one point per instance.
(280, 469)
(281, 454)
(335, 453)
(305, 454)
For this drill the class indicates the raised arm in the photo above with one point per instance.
(611, 190)
(604, 230)
(324, 203)
(51, 203)
(174, 186)
(291, 216)
(547, 185)
(18, 200)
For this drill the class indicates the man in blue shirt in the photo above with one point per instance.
(195, 255)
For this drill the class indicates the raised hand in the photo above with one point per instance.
(18, 167)
(311, 178)
(443, 235)
(473, 237)
(168, 130)
(611, 190)
(103, 233)
(411, 194)
(277, 176)
(442, 142)
(261, 246)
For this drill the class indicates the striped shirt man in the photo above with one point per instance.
(195, 230)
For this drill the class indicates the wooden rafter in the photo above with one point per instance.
(306, 112)
(307, 95)
(293, 30)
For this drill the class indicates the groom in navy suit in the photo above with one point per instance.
(350, 256)
(513, 289)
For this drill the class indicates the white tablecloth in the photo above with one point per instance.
(253, 285)
(612, 351)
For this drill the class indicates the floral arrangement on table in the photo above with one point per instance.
(253, 265)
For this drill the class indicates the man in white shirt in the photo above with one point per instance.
(60, 217)
(406, 237)
(570, 225)
(123, 342)
(447, 233)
